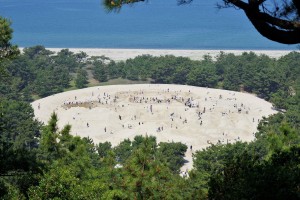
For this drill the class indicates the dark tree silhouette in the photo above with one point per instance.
(7, 50)
(277, 20)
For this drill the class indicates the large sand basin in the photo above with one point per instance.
(117, 112)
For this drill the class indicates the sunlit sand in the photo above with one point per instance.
(124, 54)
(194, 116)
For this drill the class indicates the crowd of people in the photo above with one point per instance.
(170, 109)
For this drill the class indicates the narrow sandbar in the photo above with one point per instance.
(124, 54)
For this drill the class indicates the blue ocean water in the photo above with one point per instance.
(156, 24)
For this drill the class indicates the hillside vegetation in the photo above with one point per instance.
(38, 161)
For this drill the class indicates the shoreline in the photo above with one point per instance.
(124, 54)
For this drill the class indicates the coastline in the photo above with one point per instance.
(124, 54)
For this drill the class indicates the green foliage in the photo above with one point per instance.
(67, 59)
(146, 177)
(70, 166)
(203, 77)
(212, 160)
(36, 51)
(58, 183)
(81, 57)
(115, 5)
(19, 134)
(7, 50)
(275, 178)
(116, 70)
(103, 149)
(81, 79)
(173, 153)
(100, 72)
(49, 146)
(240, 170)
(74, 170)
(40, 72)
(51, 81)
(123, 150)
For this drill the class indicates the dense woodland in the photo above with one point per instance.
(38, 161)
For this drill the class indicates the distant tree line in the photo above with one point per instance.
(40, 72)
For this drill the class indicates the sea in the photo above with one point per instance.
(152, 24)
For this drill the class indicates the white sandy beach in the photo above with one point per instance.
(124, 54)
(117, 112)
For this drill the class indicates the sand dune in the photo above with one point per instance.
(117, 112)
